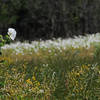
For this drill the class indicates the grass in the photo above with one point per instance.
(50, 74)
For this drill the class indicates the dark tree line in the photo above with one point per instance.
(35, 19)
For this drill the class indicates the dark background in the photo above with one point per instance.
(45, 19)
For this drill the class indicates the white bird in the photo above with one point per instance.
(12, 33)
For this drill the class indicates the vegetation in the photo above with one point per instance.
(35, 19)
(50, 73)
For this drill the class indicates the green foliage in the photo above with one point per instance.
(47, 19)
(72, 74)
(7, 39)
(4, 41)
(1, 41)
(97, 52)
(83, 83)
(9, 11)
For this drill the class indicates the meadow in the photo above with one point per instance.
(57, 69)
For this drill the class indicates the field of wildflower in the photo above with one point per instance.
(58, 69)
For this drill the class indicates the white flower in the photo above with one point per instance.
(12, 33)
(41, 91)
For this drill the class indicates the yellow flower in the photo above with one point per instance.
(85, 67)
(29, 81)
(38, 83)
(81, 88)
(80, 71)
(89, 65)
(77, 74)
(77, 90)
(33, 78)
